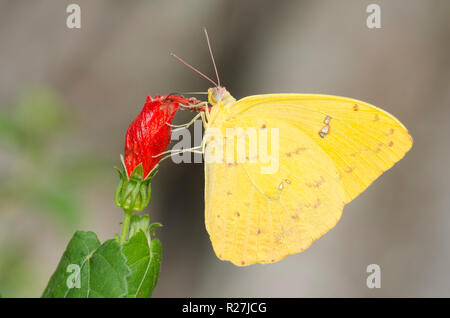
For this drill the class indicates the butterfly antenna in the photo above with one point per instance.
(212, 55)
(193, 68)
(195, 93)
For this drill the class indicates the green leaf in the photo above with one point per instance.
(155, 262)
(102, 269)
(139, 223)
(144, 262)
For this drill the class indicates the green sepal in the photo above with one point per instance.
(142, 223)
(138, 171)
(153, 226)
(133, 193)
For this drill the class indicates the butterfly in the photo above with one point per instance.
(328, 148)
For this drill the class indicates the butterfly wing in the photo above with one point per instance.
(362, 140)
(253, 217)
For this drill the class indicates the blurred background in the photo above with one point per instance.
(67, 97)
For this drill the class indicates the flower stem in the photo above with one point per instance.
(125, 226)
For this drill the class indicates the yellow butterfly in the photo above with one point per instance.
(329, 150)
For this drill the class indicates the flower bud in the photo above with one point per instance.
(149, 133)
(133, 193)
(147, 137)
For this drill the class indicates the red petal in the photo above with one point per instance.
(148, 134)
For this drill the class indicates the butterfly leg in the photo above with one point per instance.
(205, 119)
(207, 114)
(187, 125)
(176, 152)
(198, 107)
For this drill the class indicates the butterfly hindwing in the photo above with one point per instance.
(255, 217)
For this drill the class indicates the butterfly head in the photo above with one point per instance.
(216, 94)
(219, 95)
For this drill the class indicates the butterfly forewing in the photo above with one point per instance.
(362, 140)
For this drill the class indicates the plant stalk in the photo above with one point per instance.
(125, 226)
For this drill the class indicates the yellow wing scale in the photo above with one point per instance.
(259, 218)
(363, 140)
(252, 219)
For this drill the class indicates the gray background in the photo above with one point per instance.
(105, 70)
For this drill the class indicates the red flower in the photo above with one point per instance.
(148, 134)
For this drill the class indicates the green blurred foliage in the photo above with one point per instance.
(32, 174)
(15, 274)
(40, 173)
(30, 123)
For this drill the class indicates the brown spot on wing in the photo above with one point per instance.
(300, 149)
(378, 149)
(317, 183)
(317, 204)
(376, 117)
(390, 132)
(391, 143)
(314, 205)
(296, 151)
(355, 107)
(278, 239)
(349, 169)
